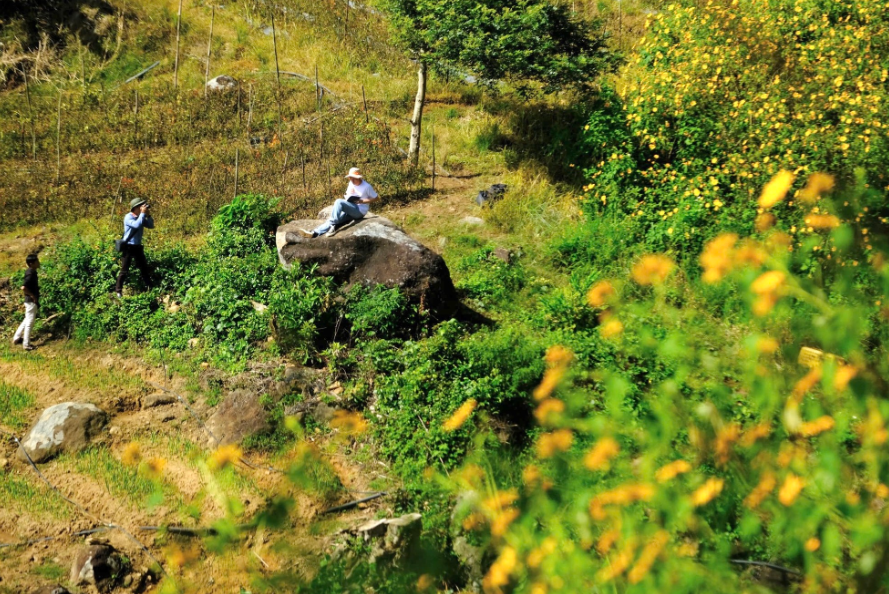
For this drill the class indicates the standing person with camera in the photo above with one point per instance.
(134, 224)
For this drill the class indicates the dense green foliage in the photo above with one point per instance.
(513, 40)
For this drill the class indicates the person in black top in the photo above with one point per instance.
(31, 289)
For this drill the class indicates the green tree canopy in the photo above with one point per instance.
(514, 40)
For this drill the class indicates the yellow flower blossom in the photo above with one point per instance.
(600, 294)
(460, 415)
(648, 556)
(599, 456)
(768, 282)
(818, 184)
(549, 444)
(225, 455)
(707, 492)
(822, 221)
(806, 383)
(817, 426)
(501, 523)
(546, 548)
(767, 345)
(622, 495)
(551, 379)
(754, 434)
(776, 189)
(611, 327)
(764, 221)
(607, 540)
(724, 440)
(716, 259)
(670, 471)
(132, 455)
(618, 564)
(766, 483)
(558, 356)
(652, 269)
(500, 500)
(155, 467)
(348, 422)
(843, 376)
(790, 490)
(473, 521)
(813, 544)
(499, 573)
(424, 582)
(548, 407)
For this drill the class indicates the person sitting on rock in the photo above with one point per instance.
(353, 207)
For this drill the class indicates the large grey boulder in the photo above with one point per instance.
(373, 251)
(99, 565)
(239, 415)
(65, 427)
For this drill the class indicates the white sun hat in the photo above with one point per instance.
(355, 172)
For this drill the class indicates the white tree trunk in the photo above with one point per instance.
(413, 151)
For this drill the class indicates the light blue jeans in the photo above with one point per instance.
(342, 213)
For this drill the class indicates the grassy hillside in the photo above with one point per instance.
(682, 368)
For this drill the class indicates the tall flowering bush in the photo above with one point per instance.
(722, 95)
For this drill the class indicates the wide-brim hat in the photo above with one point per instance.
(136, 202)
(355, 172)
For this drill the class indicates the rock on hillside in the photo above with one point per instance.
(373, 251)
(65, 427)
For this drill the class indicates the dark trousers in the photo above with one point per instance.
(133, 253)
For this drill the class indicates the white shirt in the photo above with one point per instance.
(365, 191)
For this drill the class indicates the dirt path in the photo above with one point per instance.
(191, 494)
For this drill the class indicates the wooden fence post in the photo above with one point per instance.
(237, 154)
(59, 143)
(30, 116)
(209, 47)
(432, 129)
(176, 63)
(364, 99)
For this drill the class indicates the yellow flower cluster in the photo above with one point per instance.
(622, 495)
(460, 415)
(774, 191)
(550, 406)
(499, 574)
(648, 556)
(557, 359)
(224, 456)
(721, 256)
(766, 483)
(599, 457)
(671, 471)
(652, 269)
(790, 490)
(132, 454)
(767, 287)
(707, 492)
(601, 294)
(350, 423)
(549, 444)
(816, 427)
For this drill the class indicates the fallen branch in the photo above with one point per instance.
(352, 504)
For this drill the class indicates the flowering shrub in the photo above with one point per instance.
(721, 96)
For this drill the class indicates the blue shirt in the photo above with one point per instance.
(133, 227)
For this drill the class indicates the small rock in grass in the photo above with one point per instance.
(100, 566)
(157, 399)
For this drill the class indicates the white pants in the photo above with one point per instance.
(24, 331)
